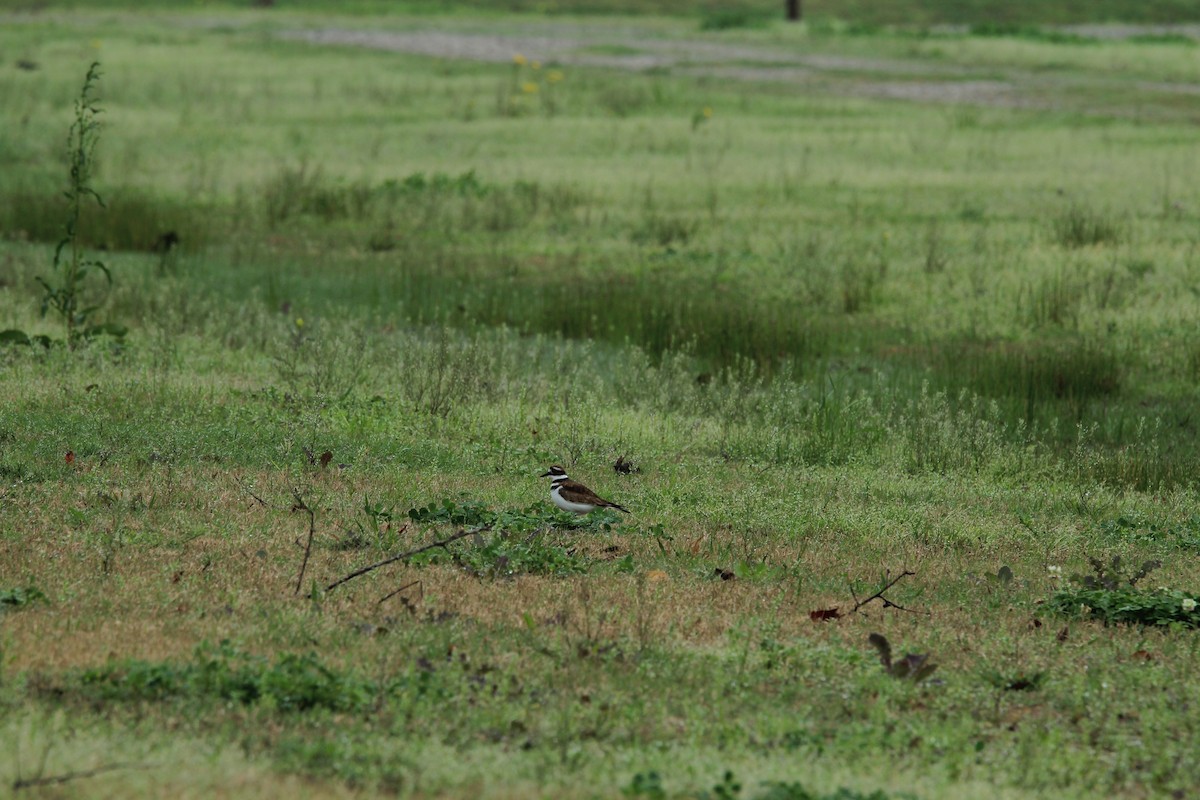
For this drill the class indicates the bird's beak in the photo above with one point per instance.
(545, 474)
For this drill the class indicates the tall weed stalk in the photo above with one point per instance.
(70, 263)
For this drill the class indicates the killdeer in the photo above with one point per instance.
(570, 495)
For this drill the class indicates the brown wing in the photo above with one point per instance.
(576, 492)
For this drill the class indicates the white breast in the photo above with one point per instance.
(567, 505)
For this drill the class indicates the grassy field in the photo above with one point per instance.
(858, 312)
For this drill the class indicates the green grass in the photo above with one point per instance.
(837, 336)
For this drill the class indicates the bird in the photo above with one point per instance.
(573, 496)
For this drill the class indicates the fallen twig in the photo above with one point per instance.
(67, 777)
(390, 595)
(879, 595)
(409, 554)
(250, 492)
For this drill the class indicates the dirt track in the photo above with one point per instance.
(635, 49)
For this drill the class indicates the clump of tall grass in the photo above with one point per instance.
(1053, 300)
(1034, 33)
(1153, 457)
(421, 205)
(317, 366)
(1078, 225)
(301, 190)
(941, 436)
(131, 220)
(730, 19)
(1031, 375)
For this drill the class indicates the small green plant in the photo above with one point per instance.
(70, 263)
(1111, 595)
(20, 597)
(728, 789)
(293, 683)
(469, 513)
(647, 785)
(473, 514)
(505, 555)
(777, 790)
(518, 545)
(378, 531)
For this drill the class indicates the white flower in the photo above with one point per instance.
(1055, 572)
(1188, 605)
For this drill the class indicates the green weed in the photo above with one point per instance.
(20, 597)
(317, 367)
(1110, 594)
(473, 514)
(1126, 605)
(730, 19)
(291, 683)
(781, 790)
(66, 296)
(647, 785)
(1134, 528)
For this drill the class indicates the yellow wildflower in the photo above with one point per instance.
(529, 87)
(554, 76)
(518, 59)
(535, 64)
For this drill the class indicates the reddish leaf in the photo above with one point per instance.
(70, 457)
(824, 614)
(326, 457)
